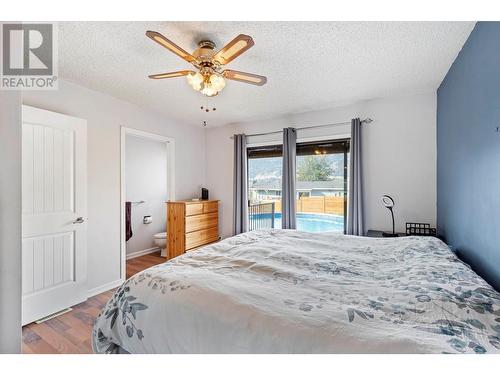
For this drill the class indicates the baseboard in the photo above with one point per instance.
(117, 283)
(142, 252)
(104, 288)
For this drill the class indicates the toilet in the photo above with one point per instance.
(161, 241)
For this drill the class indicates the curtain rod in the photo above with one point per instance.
(365, 121)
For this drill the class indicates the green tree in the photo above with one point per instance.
(315, 168)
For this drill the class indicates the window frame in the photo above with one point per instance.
(276, 150)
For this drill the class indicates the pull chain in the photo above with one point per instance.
(207, 108)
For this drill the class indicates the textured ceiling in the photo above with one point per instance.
(309, 65)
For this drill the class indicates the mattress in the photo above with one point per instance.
(286, 291)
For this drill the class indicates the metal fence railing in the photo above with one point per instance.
(261, 216)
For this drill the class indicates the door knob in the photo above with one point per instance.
(79, 220)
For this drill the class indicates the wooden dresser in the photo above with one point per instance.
(191, 224)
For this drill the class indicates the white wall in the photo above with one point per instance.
(10, 222)
(399, 155)
(105, 115)
(146, 179)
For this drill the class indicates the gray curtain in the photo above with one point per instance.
(288, 209)
(355, 217)
(240, 198)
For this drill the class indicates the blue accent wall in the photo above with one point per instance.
(468, 153)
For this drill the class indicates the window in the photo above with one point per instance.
(322, 172)
(321, 186)
(264, 186)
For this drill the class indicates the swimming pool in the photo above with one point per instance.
(308, 222)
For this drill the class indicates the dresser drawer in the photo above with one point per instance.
(210, 207)
(204, 221)
(194, 209)
(201, 237)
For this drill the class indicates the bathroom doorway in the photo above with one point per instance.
(147, 182)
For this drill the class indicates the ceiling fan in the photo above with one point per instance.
(209, 79)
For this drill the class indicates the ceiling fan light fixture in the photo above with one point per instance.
(208, 91)
(195, 80)
(210, 79)
(217, 82)
(209, 84)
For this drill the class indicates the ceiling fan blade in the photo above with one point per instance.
(171, 46)
(180, 73)
(253, 79)
(234, 48)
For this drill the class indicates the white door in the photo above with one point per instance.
(54, 206)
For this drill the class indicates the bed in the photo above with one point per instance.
(286, 291)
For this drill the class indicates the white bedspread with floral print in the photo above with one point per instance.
(284, 291)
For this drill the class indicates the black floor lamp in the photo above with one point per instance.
(389, 203)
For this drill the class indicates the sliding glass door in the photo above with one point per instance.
(321, 189)
(264, 187)
(322, 186)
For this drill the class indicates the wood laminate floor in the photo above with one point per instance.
(70, 333)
